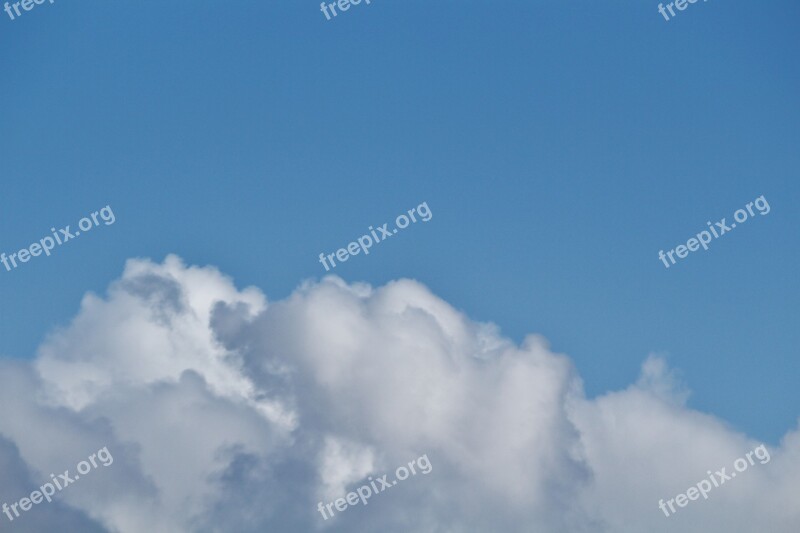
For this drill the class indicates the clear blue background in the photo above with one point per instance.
(558, 146)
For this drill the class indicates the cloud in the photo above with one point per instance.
(18, 481)
(226, 412)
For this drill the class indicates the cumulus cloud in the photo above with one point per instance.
(226, 412)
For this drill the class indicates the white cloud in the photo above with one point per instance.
(225, 413)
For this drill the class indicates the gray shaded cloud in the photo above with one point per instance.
(226, 412)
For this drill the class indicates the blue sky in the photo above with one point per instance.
(559, 148)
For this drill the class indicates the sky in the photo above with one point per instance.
(558, 147)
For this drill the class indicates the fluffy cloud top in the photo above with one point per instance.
(228, 413)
